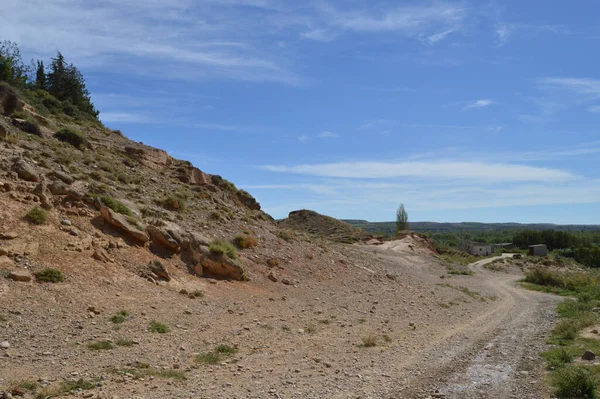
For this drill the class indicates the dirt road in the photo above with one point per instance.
(495, 354)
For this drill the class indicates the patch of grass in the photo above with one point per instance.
(215, 356)
(116, 205)
(158, 327)
(286, 328)
(49, 275)
(173, 202)
(311, 329)
(120, 317)
(575, 382)
(285, 236)
(369, 341)
(459, 272)
(222, 248)
(144, 370)
(273, 262)
(37, 215)
(226, 349)
(197, 294)
(558, 357)
(243, 241)
(386, 338)
(100, 345)
(325, 321)
(80, 384)
(72, 137)
(124, 342)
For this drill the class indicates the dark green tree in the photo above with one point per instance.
(40, 76)
(12, 68)
(66, 83)
(401, 219)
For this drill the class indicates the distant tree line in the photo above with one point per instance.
(61, 84)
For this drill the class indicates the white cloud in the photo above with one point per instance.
(594, 108)
(479, 104)
(434, 170)
(582, 86)
(327, 134)
(320, 35)
(125, 117)
(303, 139)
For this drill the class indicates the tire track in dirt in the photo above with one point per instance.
(494, 355)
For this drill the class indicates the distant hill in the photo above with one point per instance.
(326, 226)
(389, 228)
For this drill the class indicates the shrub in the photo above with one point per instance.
(37, 215)
(81, 384)
(72, 137)
(222, 248)
(116, 205)
(158, 327)
(226, 349)
(120, 317)
(100, 345)
(284, 236)
(243, 241)
(124, 342)
(216, 355)
(369, 341)
(8, 99)
(575, 382)
(50, 276)
(29, 126)
(273, 262)
(173, 202)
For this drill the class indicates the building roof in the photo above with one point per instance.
(537, 246)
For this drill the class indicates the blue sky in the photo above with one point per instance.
(461, 110)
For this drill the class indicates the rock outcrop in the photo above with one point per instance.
(150, 157)
(212, 265)
(120, 222)
(25, 171)
(168, 235)
(193, 176)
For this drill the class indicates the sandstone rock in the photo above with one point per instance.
(193, 176)
(150, 157)
(588, 355)
(158, 268)
(247, 200)
(6, 262)
(25, 171)
(272, 277)
(78, 190)
(374, 241)
(286, 281)
(162, 236)
(196, 240)
(8, 186)
(120, 222)
(65, 178)
(199, 270)
(215, 265)
(21, 275)
(9, 235)
(4, 345)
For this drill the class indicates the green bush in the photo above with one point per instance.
(243, 241)
(222, 248)
(72, 137)
(37, 215)
(158, 327)
(116, 205)
(575, 382)
(173, 202)
(100, 345)
(50, 276)
(120, 317)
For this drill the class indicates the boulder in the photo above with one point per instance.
(215, 265)
(58, 188)
(78, 190)
(150, 157)
(162, 236)
(272, 277)
(21, 275)
(6, 262)
(588, 355)
(25, 171)
(159, 269)
(193, 176)
(247, 200)
(120, 222)
(65, 178)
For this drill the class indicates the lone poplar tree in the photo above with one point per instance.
(401, 219)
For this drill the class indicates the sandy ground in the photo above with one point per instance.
(453, 337)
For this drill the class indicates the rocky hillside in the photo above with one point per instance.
(325, 226)
(72, 188)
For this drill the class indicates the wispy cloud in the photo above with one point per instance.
(478, 104)
(506, 31)
(583, 86)
(125, 117)
(328, 135)
(434, 169)
(303, 139)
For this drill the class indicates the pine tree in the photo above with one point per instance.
(401, 219)
(12, 68)
(56, 79)
(40, 76)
